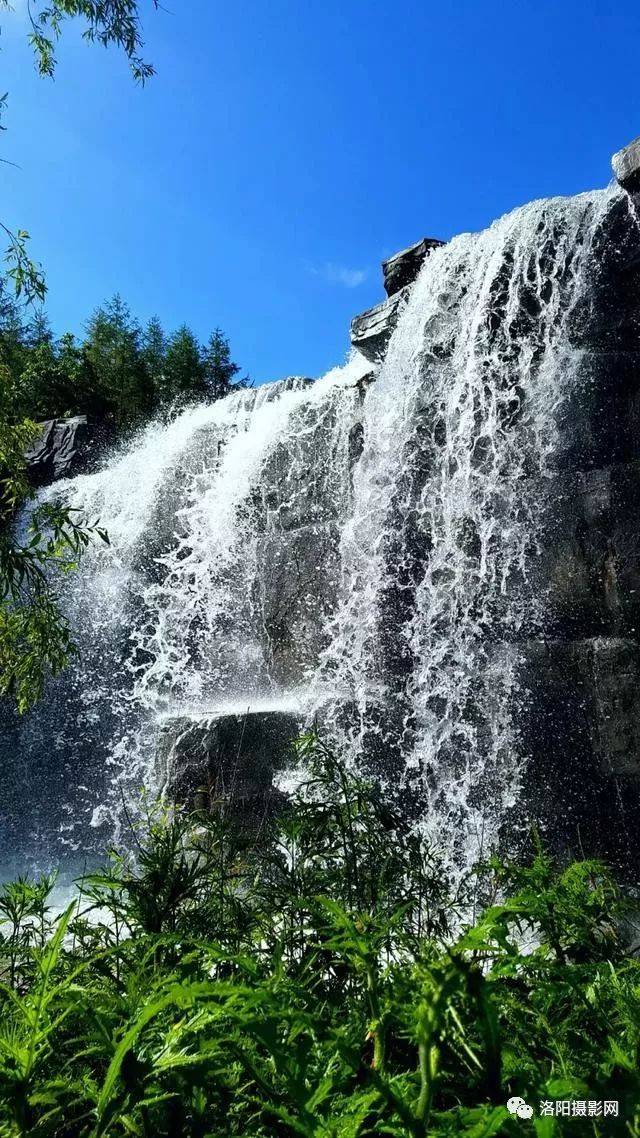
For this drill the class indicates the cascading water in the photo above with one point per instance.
(167, 618)
(411, 559)
(460, 427)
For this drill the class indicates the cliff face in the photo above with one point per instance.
(433, 552)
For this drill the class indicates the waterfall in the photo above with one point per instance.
(407, 508)
(168, 616)
(438, 554)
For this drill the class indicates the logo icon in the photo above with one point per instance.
(519, 1107)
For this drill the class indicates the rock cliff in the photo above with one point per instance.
(64, 448)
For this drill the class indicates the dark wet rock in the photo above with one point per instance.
(64, 448)
(403, 268)
(606, 315)
(626, 166)
(227, 760)
(581, 720)
(298, 486)
(598, 424)
(588, 568)
(299, 578)
(364, 382)
(371, 330)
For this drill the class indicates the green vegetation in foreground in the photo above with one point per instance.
(318, 980)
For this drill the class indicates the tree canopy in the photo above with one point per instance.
(121, 370)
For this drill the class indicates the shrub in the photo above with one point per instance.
(320, 979)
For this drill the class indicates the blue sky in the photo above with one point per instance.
(283, 149)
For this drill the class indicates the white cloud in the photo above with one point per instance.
(340, 274)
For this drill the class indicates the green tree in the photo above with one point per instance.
(219, 368)
(57, 380)
(154, 353)
(41, 383)
(184, 376)
(38, 330)
(78, 383)
(13, 348)
(34, 637)
(113, 348)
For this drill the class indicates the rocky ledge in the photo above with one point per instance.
(403, 268)
(626, 166)
(371, 330)
(64, 448)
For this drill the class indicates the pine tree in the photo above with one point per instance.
(219, 368)
(38, 330)
(72, 359)
(57, 381)
(114, 351)
(13, 348)
(39, 385)
(154, 354)
(184, 378)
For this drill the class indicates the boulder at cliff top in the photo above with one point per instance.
(626, 166)
(403, 268)
(371, 330)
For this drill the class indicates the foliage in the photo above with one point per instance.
(113, 352)
(182, 375)
(107, 22)
(34, 634)
(34, 638)
(315, 978)
(119, 371)
(25, 274)
(219, 369)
